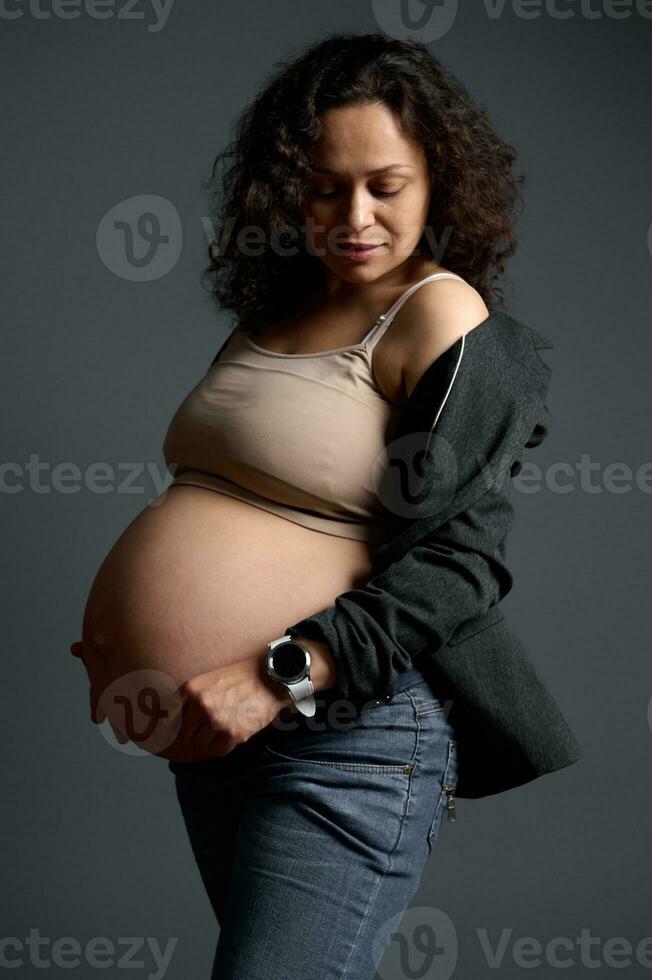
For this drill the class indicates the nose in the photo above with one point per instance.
(358, 211)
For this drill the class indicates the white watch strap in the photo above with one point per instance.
(302, 693)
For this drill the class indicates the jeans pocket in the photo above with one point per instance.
(429, 697)
(382, 739)
(430, 704)
(274, 755)
(446, 799)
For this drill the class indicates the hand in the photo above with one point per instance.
(223, 708)
(94, 668)
(90, 660)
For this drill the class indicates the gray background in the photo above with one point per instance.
(94, 365)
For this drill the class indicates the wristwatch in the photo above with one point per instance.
(288, 662)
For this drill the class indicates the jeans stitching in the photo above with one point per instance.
(429, 708)
(413, 763)
(363, 918)
(348, 766)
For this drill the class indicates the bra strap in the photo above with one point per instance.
(384, 320)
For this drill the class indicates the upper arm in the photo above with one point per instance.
(436, 315)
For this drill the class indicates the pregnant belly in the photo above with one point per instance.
(200, 580)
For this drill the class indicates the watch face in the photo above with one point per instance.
(289, 661)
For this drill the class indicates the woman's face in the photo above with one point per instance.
(370, 185)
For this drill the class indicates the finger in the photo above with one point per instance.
(194, 730)
(122, 739)
(220, 746)
(99, 716)
(202, 740)
(192, 721)
(97, 712)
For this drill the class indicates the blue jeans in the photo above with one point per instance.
(308, 841)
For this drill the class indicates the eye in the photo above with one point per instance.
(329, 195)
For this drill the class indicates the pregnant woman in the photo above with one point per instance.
(311, 838)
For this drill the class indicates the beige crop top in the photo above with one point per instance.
(300, 435)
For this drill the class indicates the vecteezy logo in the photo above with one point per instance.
(415, 475)
(415, 945)
(140, 238)
(145, 706)
(425, 20)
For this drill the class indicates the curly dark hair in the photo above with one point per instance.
(258, 204)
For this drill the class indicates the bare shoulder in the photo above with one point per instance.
(430, 321)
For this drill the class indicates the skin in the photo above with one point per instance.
(349, 199)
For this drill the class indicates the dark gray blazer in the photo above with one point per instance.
(433, 597)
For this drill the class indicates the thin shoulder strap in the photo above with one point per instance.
(384, 320)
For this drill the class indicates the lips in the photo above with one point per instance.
(358, 253)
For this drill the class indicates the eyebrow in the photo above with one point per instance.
(372, 173)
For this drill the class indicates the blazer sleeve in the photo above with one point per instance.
(415, 605)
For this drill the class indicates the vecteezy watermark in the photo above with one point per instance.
(336, 715)
(412, 479)
(563, 952)
(95, 9)
(423, 943)
(415, 478)
(614, 477)
(286, 240)
(140, 238)
(99, 953)
(141, 712)
(427, 20)
(430, 20)
(146, 707)
(45, 477)
(398, 476)
(416, 944)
